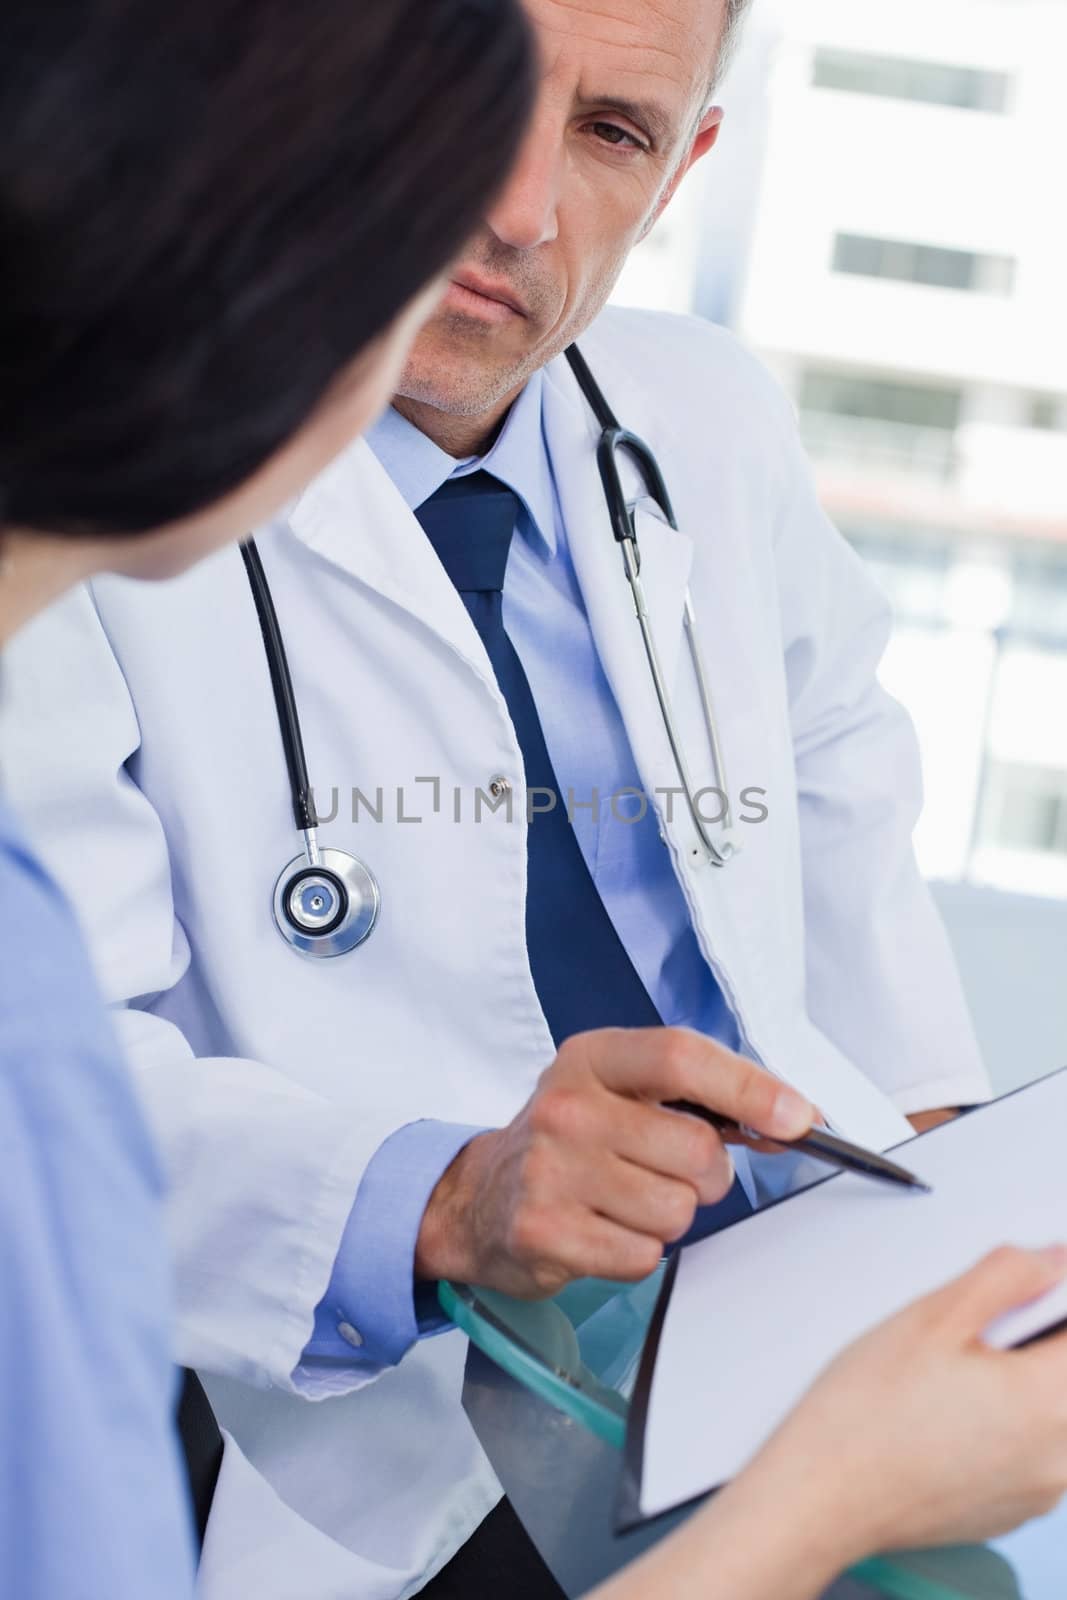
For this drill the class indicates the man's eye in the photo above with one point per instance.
(611, 133)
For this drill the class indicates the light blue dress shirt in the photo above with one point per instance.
(93, 1499)
(371, 1289)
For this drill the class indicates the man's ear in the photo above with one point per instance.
(704, 140)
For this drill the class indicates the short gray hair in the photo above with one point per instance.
(735, 12)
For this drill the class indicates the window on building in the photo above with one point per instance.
(876, 423)
(936, 83)
(1046, 411)
(1039, 597)
(906, 262)
(846, 394)
(1025, 808)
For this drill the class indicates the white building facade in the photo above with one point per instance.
(886, 227)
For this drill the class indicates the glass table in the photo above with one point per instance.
(547, 1391)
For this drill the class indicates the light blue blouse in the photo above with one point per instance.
(93, 1502)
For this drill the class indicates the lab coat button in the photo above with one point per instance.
(499, 787)
(350, 1335)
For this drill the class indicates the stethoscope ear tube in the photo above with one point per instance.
(722, 850)
(594, 394)
(724, 847)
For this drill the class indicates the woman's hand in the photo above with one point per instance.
(922, 1434)
(919, 1434)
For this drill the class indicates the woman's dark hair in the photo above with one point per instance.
(208, 210)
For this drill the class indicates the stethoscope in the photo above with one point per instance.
(614, 438)
(327, 902)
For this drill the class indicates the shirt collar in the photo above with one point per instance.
(519, 458)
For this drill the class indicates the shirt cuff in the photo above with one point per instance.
(373, 1311)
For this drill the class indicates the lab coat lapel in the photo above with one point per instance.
(354, 516)
(666, 560)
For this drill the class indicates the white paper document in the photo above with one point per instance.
(759, 1311)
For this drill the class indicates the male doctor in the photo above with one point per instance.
(463, 643)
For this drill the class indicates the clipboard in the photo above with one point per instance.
(628, 1513)
(931, 1150)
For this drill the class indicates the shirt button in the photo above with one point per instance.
(499, 787)
(350, 1335)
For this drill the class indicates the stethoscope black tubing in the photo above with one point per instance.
(614, 438)
(304, 812)
(591, 389)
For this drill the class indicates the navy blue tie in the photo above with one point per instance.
(581, 970)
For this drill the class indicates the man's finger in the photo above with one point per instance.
(730, 1135)
(645, 1202)
(674, 1146)
(668, 1064)
(597, 1247)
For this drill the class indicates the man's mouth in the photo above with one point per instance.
(482, 297)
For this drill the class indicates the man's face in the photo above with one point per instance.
(617, 124)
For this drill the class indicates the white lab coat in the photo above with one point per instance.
(140, 741)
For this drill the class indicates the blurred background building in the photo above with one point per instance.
(883, 222)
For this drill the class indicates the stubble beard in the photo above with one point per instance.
(456, 373)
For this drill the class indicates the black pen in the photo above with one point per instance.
(820, 1144)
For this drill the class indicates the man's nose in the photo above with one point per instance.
(527, 212)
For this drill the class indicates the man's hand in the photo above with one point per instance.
(594, 1177)
(923, 1121)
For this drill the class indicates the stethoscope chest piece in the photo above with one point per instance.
(327, 908)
